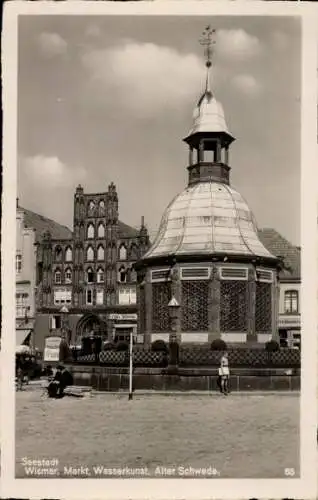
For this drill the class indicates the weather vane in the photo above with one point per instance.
(208, 41)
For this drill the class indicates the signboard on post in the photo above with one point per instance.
(52, 349)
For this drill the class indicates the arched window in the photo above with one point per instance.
(101, 207)
(100, 253)
(101, 230)
(68, 275)
(58, 277)
(90, 275)
(122, 253)
(133, 252)
(58, 254)
(100, 275)
(133, 275)
(291, 302)
(91, 207)
(90, 254)
(122, 275)
(68, 254)
(90, 231)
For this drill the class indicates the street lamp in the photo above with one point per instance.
(174, 312)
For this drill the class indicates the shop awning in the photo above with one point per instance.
(22, 336)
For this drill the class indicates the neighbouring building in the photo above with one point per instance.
(208, 275)
(85, 279)
(289, 317)
(29, 227)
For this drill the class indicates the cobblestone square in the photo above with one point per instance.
(242, 436)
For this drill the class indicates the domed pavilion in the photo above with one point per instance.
(207, 275)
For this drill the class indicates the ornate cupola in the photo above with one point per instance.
(209, 138)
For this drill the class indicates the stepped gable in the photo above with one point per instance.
(281, 247)
(42, 224)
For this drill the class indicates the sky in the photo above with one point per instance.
(110, 98)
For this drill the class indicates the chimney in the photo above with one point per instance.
(142, 221)
(17, 202)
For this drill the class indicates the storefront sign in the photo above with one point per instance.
(52, 349)
(120, 317)
(289, 321)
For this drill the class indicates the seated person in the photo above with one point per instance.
(62, 379)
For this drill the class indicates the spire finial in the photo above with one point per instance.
(207, 40)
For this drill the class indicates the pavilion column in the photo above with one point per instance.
(251, 302)
(226, 152)
(148, 304)
(201, 152)
(218, 152)
(214, 303)
(191, 156)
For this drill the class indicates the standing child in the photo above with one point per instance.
(224, 374)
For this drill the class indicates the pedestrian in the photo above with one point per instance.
(224, 374)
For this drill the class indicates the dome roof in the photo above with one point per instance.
(209, 115)
(208, 218)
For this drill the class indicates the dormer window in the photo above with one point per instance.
(68, 254)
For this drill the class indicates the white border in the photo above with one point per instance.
(165, 488)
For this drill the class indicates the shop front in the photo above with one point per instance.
(289, 327)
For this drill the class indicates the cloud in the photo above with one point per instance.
(47, 183)
(247, 84)
(147, 78)
(52, 44)
(237, 44)
(49, 171)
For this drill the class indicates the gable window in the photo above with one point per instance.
(291, 302)
(101, 207)
(127, 295)
(90, 254)
(68, 255)
(62, 296)
(58, 277)
(122, 253)
(90, 275)
(100, 253)
(91, 208)
(100, 297)
(133, 252)
(100, 276)
(101, 231)
(89, 297)
(18, 263)
(122, 275)
(58, 254)
(68, 276)
(90, 231)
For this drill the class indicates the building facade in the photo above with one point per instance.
(25, 267)
(208, 275)
(86, 283)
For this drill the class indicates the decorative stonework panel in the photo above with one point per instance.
(233, 313)
(263, 307)
(161, 295)
(195, 306)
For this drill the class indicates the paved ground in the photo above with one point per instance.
(234, 435)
